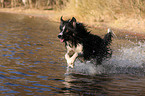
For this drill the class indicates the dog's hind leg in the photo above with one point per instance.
(70, 60)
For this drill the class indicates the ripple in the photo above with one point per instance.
(20, 63)
(7, 55)
(8, 45)
(2, 66)
(14, 57)
(11, 91)
(5, 49)
(27, 90)
(3, 72)
(42, 89)
(12, 48)
(43, 77)
(2, 88)
(2, 77)
(27, 45)
(57, 80)
(37, 62)
(20, 73)
(38, 48)
(31, 53)
(15, 77)
(31, 71)
(11, 84)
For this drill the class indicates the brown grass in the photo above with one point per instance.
(119, 14)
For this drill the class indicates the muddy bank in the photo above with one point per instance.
(132, 27)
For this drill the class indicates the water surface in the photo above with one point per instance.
(32, 63)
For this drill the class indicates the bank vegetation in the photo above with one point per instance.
(129, 14)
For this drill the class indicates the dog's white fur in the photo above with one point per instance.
(77, 50)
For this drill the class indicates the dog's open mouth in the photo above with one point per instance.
(61, 40)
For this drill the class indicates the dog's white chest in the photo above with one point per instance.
(78, 48)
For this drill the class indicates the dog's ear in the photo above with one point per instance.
(61, 20)
(73, 20)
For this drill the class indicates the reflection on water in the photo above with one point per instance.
(32, 63)
(29, 63)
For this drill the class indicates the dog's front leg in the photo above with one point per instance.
(70, 60)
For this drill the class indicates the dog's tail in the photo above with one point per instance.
(108, 37)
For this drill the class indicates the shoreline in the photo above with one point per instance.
(54, 16)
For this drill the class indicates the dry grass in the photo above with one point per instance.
(102, 10)
(119, 14)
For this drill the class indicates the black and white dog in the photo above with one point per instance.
(83, 43)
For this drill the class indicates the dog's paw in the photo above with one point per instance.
(70, 65)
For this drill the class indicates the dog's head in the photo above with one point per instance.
(67, 30)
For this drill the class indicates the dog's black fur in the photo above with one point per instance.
(93, 46)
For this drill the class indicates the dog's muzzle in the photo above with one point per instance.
(60, 37)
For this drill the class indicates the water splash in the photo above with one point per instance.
(125, 60)
(130, 57)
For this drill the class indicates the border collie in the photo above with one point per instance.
(83, 43)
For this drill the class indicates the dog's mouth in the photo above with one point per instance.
(61, 40)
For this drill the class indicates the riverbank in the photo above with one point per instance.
(124, 24)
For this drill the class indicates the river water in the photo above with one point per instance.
(32, 62)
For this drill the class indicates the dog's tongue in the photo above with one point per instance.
(61, 40)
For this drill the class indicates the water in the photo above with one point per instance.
(32, 63)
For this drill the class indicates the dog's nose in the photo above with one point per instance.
(59, 36)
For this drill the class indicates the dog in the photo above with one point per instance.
(84, 44)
